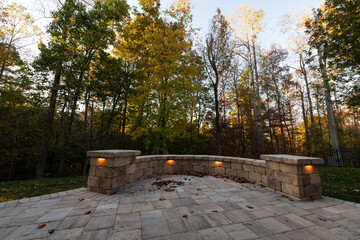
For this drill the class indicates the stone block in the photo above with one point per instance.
(226, 164)
(237, 166)
(148, 172)
(230, 172)
(314, 178)
(198, 168)
(219, 170)
(296, 191)
(290, 168)
(273, 165)
(209, 170)
(158, 171)
(154, 163)
(93, 181)
(143, 165)
(243, 174)
(293, 179)
(249, 168)
(264, 179)
(204, 163)
(104, 172)
(105, 183)
(255, 177)
(188, 168)
(312, 190)
(168, 169)
(120, 181)
(194, 162)
(119, 171)
(130, 169)
(183, 162)
(123, 161)
(92, 171)
(260, 170)
(273, 184)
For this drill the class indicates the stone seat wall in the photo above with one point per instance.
(112, 171)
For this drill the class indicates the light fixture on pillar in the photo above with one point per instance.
(308, 169)
(101, 161)
(170, 162)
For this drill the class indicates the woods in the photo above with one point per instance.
(108, 76)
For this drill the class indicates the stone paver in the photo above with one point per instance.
(202, 208)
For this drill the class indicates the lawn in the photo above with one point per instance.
(30, 188)
(343, 183)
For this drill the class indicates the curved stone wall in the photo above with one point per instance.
(112, 171)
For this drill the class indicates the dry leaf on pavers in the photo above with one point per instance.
(169, 189)
(248, 206)
(88, 212)
(278, 199)
(158, 178)
(162, 199)
(41, 226)
(322, 219)
(199, 189)
(81, 199)
(214, 211)
(51, 231)
(185, 216)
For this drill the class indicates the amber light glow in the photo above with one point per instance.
(101, 160)
(170, 162)
(308, 168)
(218, 163)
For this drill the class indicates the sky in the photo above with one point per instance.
(204, 10)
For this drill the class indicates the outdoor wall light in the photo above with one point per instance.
(170, 162)
(218, 163)
(101, 161)
(308, 169)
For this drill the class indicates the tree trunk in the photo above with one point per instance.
(308, 149)
(329, 107)
(47, 127)
(217, 120)
(261, 130)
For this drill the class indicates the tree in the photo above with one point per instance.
(160, 47)
(77, 34)
(217, 55)
(247, 24)
(16, 31)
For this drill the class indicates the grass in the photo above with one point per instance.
(13, 190)
(342, 183)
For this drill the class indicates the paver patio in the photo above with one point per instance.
(201, 208)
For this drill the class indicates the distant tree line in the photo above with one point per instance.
(105, 78)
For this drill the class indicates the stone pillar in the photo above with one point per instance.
(294, 176)
(111, 170)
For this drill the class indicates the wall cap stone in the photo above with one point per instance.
(113, 153)
(291, 159)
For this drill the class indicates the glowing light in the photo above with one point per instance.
(101, 160)
(308, 169)
(218, 163)
(170, 162)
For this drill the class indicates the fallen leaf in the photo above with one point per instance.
(81, 199)
(51, 231)
(214, 211)
(41, 226)
(169, 189)
(162, 199)
(278, 199)
(322, 219)
(248, 206)
(88, 212)
(185, 216)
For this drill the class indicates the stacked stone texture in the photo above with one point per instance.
(284, 174)
(294, 176)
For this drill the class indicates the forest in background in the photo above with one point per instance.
(108, 76)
